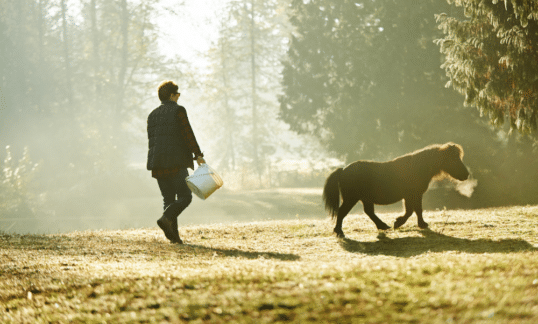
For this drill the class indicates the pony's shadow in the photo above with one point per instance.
(433, 242)
(244, 254)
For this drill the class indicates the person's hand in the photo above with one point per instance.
(200, 160)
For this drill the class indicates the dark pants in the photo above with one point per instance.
(176, 195)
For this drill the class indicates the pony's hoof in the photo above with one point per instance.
(340, 235)
(383, 227)
(399, 222)
(423, 225)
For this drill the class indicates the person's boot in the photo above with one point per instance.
(171, 213)
(175, 231)
(166, 225)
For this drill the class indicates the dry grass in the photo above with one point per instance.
(478, 266)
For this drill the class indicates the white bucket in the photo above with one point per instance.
(204, 181)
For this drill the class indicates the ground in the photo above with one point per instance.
(471, 266)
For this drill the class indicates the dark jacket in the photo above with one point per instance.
(171, 140)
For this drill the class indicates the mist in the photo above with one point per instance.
(466, 187)
(279, 94)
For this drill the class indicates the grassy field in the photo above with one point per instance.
(471, 266)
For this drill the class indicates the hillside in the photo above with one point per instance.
(470, 266)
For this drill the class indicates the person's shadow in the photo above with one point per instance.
(109, 246)
(433, 242)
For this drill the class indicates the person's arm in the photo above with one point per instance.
(188, 135)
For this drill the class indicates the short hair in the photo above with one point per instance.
(167, 88)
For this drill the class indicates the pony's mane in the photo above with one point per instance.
(438, 148)
(435, 150)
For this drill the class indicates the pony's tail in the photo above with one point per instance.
(331, 193)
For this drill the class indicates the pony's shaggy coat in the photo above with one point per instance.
(406, 177)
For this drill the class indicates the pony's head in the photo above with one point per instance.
(451, 163)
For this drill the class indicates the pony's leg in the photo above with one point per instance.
(418, 211)
(409, 208)
(369, 210)
(342, 212)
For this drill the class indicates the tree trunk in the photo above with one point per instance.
(124, 57)
(230, 150)
(67, 59)
(95, 48)
(19, 42)
(255, 135)
(40, 29)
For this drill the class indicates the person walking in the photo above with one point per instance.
(172, 149)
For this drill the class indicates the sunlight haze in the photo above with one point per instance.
(189, 34)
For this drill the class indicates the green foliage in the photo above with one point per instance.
(491, 58)
(80, 78)
(365, 78)
(77, 80)
(15, 182)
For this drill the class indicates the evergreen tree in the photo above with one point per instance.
(244, 81)
(491, 57)
(365, 78)
(223, 98)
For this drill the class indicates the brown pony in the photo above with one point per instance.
(406, 177)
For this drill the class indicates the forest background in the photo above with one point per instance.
(289, 90)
